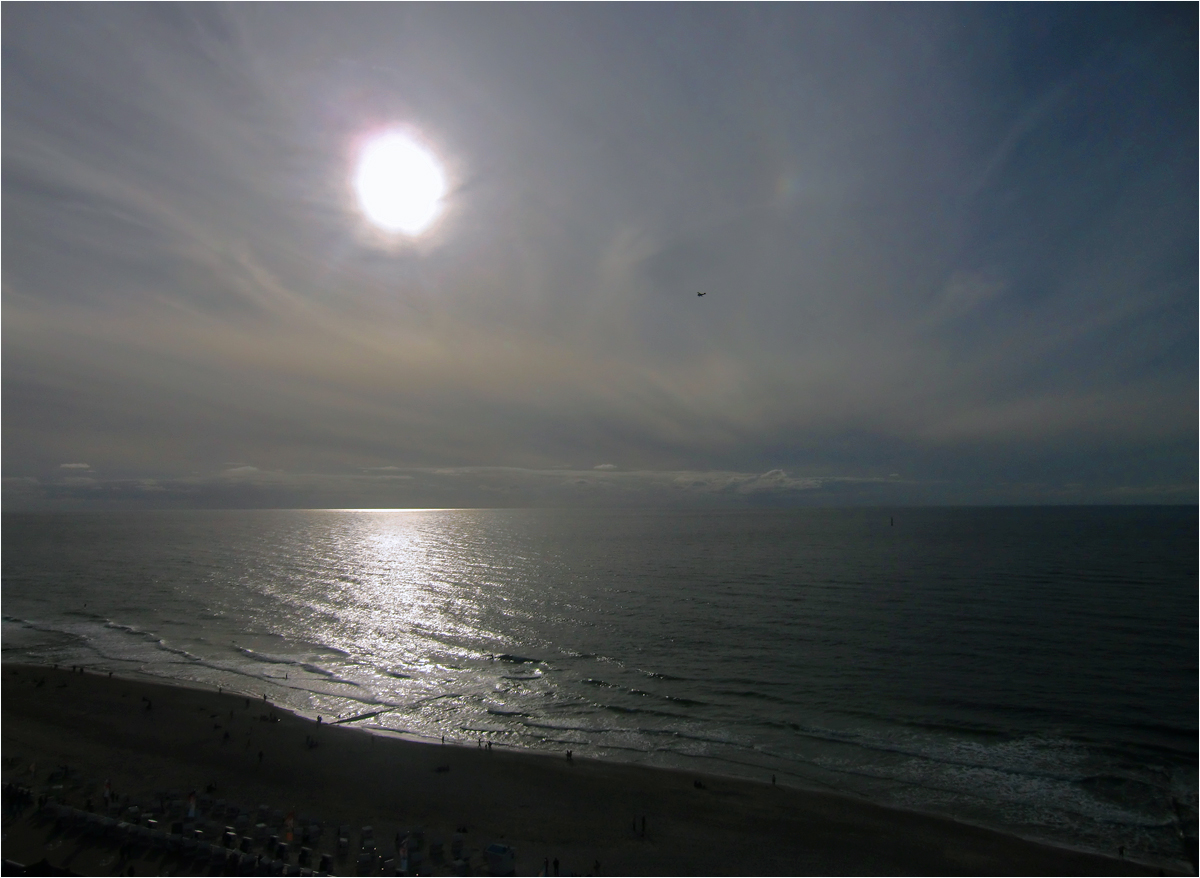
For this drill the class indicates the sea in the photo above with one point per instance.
(1032, 670)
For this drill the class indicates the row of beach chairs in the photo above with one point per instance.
(192, 847)
(210, 833)
(232, 853)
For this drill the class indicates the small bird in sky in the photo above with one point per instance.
(701, 294)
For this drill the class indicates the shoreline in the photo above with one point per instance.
(581, 812)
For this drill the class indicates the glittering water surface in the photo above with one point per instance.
(1030, 669)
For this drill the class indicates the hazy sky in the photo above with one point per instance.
(949, 251)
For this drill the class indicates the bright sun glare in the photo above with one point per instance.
(399, 184)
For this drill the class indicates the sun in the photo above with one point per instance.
(400, 185)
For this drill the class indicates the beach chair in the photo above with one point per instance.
(326, 864)
(91, 825)
(500, 859)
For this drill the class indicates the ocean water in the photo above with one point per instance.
(1033, 670)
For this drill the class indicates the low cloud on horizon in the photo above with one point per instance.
(490, 487)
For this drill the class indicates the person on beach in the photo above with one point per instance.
(556, 865)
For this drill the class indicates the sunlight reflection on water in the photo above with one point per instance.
(925, 665)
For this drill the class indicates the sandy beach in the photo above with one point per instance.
(67, 734)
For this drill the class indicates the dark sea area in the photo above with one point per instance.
(1028, 669)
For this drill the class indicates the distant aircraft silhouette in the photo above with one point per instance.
(701, 294)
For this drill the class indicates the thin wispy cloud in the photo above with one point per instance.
(930, 239)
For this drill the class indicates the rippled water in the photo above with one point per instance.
(1030, 669)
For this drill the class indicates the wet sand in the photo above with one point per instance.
(581, 812)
